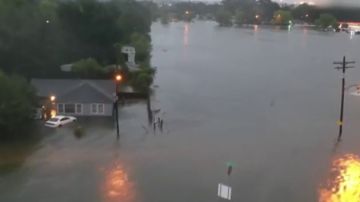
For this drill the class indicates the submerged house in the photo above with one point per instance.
(77, 97)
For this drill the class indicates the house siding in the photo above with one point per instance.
(86, 110)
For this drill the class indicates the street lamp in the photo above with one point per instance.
(52, 106)
(187, 12)
(118, 79)
(52, 98)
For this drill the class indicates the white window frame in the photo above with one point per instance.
(103, 108)
(69, 112)
(63, 108)
(97, 107)
(81, 108)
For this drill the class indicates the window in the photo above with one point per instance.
(100, 108)
(70, 108)
(64, 119)
(97, 108)
(61, 108)
(93, 108)
(79, 108)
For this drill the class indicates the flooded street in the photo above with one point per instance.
(265, 99)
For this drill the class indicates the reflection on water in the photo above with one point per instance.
(256, 28)
(186, 34)
(117, 186)
(343, 184)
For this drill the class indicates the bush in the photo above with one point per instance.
(79, 131)
(142, 80)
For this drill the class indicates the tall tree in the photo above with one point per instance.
(17, 104)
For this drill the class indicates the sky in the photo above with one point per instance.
(326, 2)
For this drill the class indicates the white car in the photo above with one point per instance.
(59, 121)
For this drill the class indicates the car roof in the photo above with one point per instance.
(59, 117)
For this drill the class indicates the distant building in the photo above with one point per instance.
(77, 97)
(129, 53)
(66, 67)
(350, 26)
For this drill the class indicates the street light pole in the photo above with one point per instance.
(343, 68)
(118, 79)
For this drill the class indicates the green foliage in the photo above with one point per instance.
(239, 17)
(141, 80)
(88, 68)
(304, 12)
(223, 18)
(29, 44)
(325, 21)
(142, 45)
(282, 17)
(265, 9)
(37, 36)
(17, 105)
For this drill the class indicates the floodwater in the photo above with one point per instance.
(265, 99)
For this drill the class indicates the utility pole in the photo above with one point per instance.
(118, 79)
(342, 68)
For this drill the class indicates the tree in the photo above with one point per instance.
(223, 18)
(30, 39)
(325, 21)
(88, 68)
(265, 9)
(239, 18)
(142, 45)
(17, 106)
(304, 12)
(282, 17)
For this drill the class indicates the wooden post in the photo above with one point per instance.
(149, 111)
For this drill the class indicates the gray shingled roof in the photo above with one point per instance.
(76, 90)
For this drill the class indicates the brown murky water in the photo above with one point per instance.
(265, 99)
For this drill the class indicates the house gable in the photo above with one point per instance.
(85, 93)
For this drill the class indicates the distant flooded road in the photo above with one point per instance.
(265, 99)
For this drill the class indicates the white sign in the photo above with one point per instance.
(224, 191)
(355, 93)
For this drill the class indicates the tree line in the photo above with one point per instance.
(240, 12)
(38, 36)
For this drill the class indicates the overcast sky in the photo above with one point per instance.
(318, 2)
(338, 2)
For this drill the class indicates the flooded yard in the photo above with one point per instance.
(265, 99)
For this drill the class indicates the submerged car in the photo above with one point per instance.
(59, 121)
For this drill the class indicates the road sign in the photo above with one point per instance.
(224, 191)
